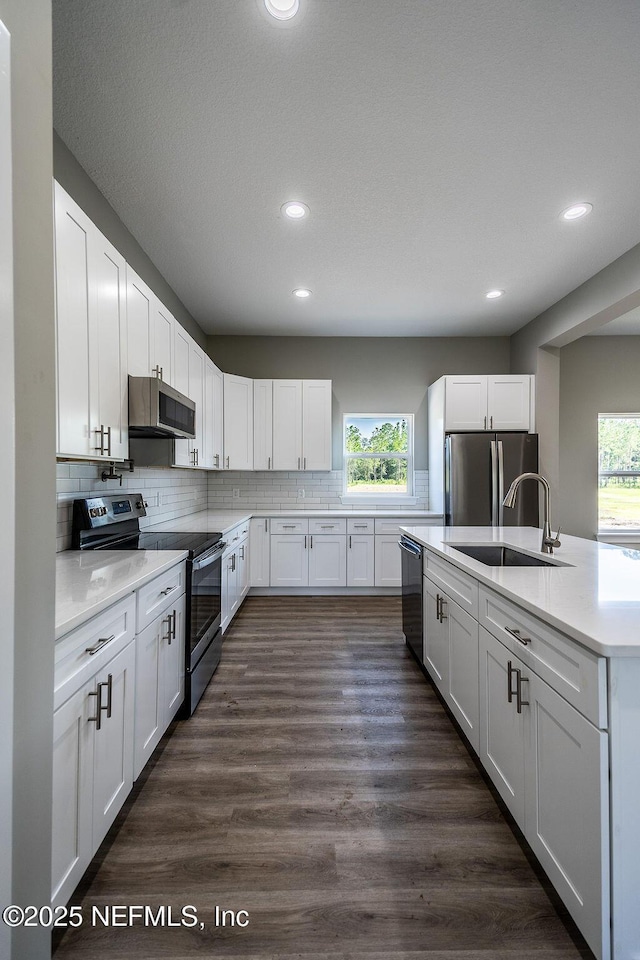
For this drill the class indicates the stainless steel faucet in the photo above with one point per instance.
(548, 540)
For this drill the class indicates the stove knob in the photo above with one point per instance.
(140, 504)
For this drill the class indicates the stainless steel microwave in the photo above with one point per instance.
(157, 410)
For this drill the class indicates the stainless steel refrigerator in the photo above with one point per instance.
(478, 470)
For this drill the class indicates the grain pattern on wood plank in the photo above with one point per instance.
(322, 787)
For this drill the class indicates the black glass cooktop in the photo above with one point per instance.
(195, 543)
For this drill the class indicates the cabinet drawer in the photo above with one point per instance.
(290, 525)
(237, 533)
(159, 594)
(328, 525)
(574, 672)
(86, 650)
(362, 525)
(459, 585)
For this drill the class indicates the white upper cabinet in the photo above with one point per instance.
(189, 371)
(263, 424)
(238, 422)
(91, 338)
(287, 425)
(292, 424)
(150, 332)
(213, 416)
(181, 347)
(493, 402)
(316, 424)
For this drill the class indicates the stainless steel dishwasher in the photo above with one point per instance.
(412, 595)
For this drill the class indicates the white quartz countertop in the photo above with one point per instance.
(594, 599)
(89, 581)
(209, 521)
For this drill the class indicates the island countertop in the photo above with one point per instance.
(594, 597)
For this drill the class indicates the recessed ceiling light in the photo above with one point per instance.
(282, 9)
(295, 210)
(494, 294)
(576, 211)
(302, 293)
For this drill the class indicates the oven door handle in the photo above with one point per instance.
(209, 558)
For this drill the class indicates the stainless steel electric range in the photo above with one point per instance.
(113, 523)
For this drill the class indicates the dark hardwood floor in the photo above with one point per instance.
(321, 787)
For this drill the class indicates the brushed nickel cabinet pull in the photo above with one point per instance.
(168, 590)
(305, 542)
(98, 716)
(515, 632)
(520, 703)
(298, 463)
(167, 620)
(227, 463)
(99, 645)
(510, 691)
(349, 541)
(109, 686)
(491, 422)
(108, 432)
(100, 449)
(485, 423)
(217, 459)
(304, 463)
(311, 539)
(268, 463)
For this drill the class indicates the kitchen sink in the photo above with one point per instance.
(499, 555)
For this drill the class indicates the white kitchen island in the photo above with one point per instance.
(540, 666)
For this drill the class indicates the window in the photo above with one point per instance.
(619, 471)
(378, 455)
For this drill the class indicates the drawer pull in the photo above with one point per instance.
(327, 526)
(440, 605)
(168, 590)
(289, 526)
(360, 526)
(516, 633)
(99, 645)
(520, 703)
(511, 693)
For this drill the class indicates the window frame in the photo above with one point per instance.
(380, 495)
(621, 532)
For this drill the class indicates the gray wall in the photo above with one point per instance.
(79, 185)
(597, 375)
(28, 859)
(535, 348)
(370, 374)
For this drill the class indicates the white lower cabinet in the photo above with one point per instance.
(260, 552)
(550, 766)
(114, 695)
(327, 557)
(235, 574)
(388, 569)
(360, 560)
(289, 561)
(450, 654)
(160, 665)
(92, 739)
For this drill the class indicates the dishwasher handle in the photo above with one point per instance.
(409, 546)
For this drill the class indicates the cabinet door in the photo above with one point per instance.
(360, 560)
(262, 424)
(327, 560)
(502, 728)
(287, 424)
(108, 347)
(508, 402)
(466, 403)
(388, 569)
(259, 552)
(238, 422)
(163, 336)
(212, 416)
(567, 807)
(182, 449)
(172, 652)
(72, 230)
(196, 393)
(140, 326)
(148, 705)
(229, 588)
(435, 637)
(289, 560)
(316, 424)
(72, 786)
(462, 686)
(113, 752)
(243, 554)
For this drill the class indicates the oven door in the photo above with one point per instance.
(206, 597)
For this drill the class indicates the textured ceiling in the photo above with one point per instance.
(435, 141)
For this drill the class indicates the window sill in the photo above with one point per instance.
(615, 537)
(367, 498)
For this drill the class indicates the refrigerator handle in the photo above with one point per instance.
(500, 483)
(494, 483)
